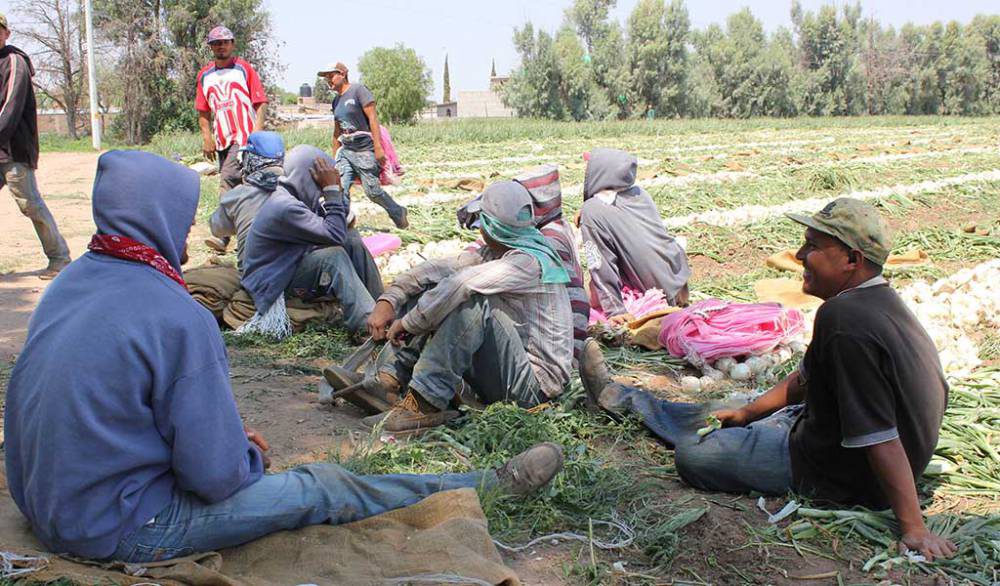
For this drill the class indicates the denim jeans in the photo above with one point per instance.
(364, 264)
(362, 165)
(475, 343)
(21, 180)
(328, 273)
(309, 495)
(754, 458)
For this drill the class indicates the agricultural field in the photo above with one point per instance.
(619, 514)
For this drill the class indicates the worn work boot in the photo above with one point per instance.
(377, 396)
(414, 415)
(219, 245)
(531, 469)
(399, 218)
(593, 372)
(53, 269)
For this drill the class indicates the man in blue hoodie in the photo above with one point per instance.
(123, 438)
(295, 246)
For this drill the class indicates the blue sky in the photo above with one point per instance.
(472, 32)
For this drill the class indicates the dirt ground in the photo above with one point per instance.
(280, 401)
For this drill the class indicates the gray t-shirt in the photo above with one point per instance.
(348, 109)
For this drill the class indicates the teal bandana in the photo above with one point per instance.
(530, 241)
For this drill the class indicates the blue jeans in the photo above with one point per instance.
(364, 264)
(329, 273)
(754, 458)
(362, 165)
(475, 343)
(309, 495)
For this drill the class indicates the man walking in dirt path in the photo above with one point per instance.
(231, 103)
(19, 149)
(357, 140)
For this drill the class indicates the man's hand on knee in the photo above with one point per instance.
(732, 417)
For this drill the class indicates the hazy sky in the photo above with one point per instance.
(472, 32)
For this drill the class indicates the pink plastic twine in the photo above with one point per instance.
(713, 329)
(637, 304)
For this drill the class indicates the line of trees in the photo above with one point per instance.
(831, 62)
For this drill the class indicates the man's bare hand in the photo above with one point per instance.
(325, 174)
(621, 319)
(208, 149)
(931, 546)
(379, 320)
(380, 156)
(258, 440)
(397, 333)
(731, 417)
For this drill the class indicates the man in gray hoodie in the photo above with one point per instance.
(624, 241)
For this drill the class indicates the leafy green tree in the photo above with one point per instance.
(657, 55)
(581, 97)
(321, 91)
(828, 54)
(534, 88)
(400, 80)
(987, 30)
(604, 41)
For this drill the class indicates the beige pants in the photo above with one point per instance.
(21, 180)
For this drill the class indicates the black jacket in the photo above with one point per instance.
(18, 117)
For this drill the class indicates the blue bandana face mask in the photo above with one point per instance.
(254, 173)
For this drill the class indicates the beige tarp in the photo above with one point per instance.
(217, 288)
(444, 534)
(786, 261)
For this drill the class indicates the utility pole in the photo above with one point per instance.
(95, 121)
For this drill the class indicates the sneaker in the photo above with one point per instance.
(531, 469)
(217, 244)
(414, 414)
(378, 395)
(400, 220)
(53, 269)
(593, 371)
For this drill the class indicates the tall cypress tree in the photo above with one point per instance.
(447, 81)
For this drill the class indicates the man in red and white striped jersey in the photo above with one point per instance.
(231, 102)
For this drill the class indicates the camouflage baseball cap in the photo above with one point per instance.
(3, 20)
(855, 223)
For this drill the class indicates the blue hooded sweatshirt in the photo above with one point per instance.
(290, 224)
(121, 393)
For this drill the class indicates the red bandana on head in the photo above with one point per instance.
(128, 249)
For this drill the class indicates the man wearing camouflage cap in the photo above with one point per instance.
(19, 149)
(857, 423)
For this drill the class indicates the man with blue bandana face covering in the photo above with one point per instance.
(498, 319)
(262, 159)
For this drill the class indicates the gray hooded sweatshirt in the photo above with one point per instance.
(237, 209)
(290, 224)
(624, 241)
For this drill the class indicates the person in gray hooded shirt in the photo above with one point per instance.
(624, 241)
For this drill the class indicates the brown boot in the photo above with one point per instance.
(377, 396)
(414, 414)
(531, 469)
(593, 371)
